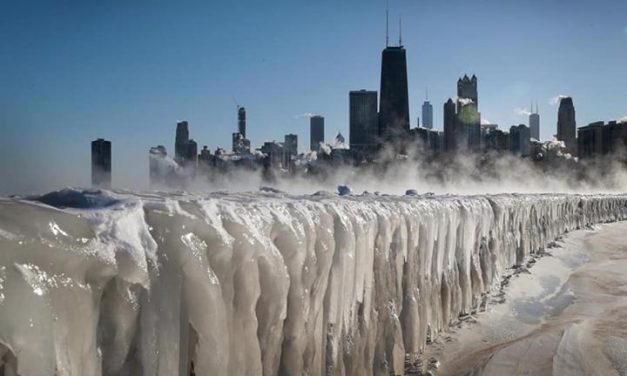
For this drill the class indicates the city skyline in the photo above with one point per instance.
(28, 124)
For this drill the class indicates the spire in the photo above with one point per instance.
(427, 94)
(387, 33)
(400, 31)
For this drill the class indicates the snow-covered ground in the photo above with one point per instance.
(257, 283)
(565, 315)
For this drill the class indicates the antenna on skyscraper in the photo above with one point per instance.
(400, 31)
(427, 94)
(387, 29)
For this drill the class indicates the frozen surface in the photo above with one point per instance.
(565, 315)
(261, 283)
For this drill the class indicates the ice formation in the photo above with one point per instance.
(107, 283)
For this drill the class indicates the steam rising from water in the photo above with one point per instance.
(464, 174)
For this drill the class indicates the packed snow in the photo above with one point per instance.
(114, 283)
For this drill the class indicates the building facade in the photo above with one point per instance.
(520, 140)
(181, 140)
(534, 125)
(101, 163)
(241, 121)
(427, 115)
(566, 124)
(316, 132)
(394, 102)
(363, 121)
(598, 139)
(451, 133)
(291, 144)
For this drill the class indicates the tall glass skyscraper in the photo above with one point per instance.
(101, 163)
(534, 124)
(363, 121)
(566, 125)
(394, 105)
(427, 115)
(316, 132)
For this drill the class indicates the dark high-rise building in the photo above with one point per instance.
(451, 133)
(468, 116)
(363, 121)
(291, 144)
(181, 142)
(467, 89)
(534, 124)
(101, 163)
(316, 134)
(191, 154)
(615, 140)
(275, 156)
(520, 140)
(158, 167)
(427, 115)
(566, 125)
(495, 140)
(394, 104)
(590, 140)
(185, 149)
(429, 142)
(240, 144)
(596, 140)
(241, 121)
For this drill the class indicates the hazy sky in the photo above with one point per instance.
(73, 71)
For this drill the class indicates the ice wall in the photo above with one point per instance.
(251, 284)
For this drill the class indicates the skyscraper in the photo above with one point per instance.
(427, 115)
(291, 144)
(181, 141)
(534, 124)
(363, 121)
(467, 89)
(241, 121)
(394, 105)
(566, 125)
(185, 149)
(316, 134)
(191, 154)
(591, 139)
(468, 116)
(519, 140)
(158, 166)
(101, 163)
(240, 145)
(451, 132)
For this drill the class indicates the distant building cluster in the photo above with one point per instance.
(379, 123)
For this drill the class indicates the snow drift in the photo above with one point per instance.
(261, 283)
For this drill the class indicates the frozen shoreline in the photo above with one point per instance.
(566, 316)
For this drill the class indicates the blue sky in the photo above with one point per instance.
(73, 71)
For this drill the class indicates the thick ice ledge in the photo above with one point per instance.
(253, 284)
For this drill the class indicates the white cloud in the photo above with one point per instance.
(485, 121)
(304, 115)
(522, 111)
(464, 101)
(556, 99)
(623, 119)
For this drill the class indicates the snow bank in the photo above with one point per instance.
(256, 283)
